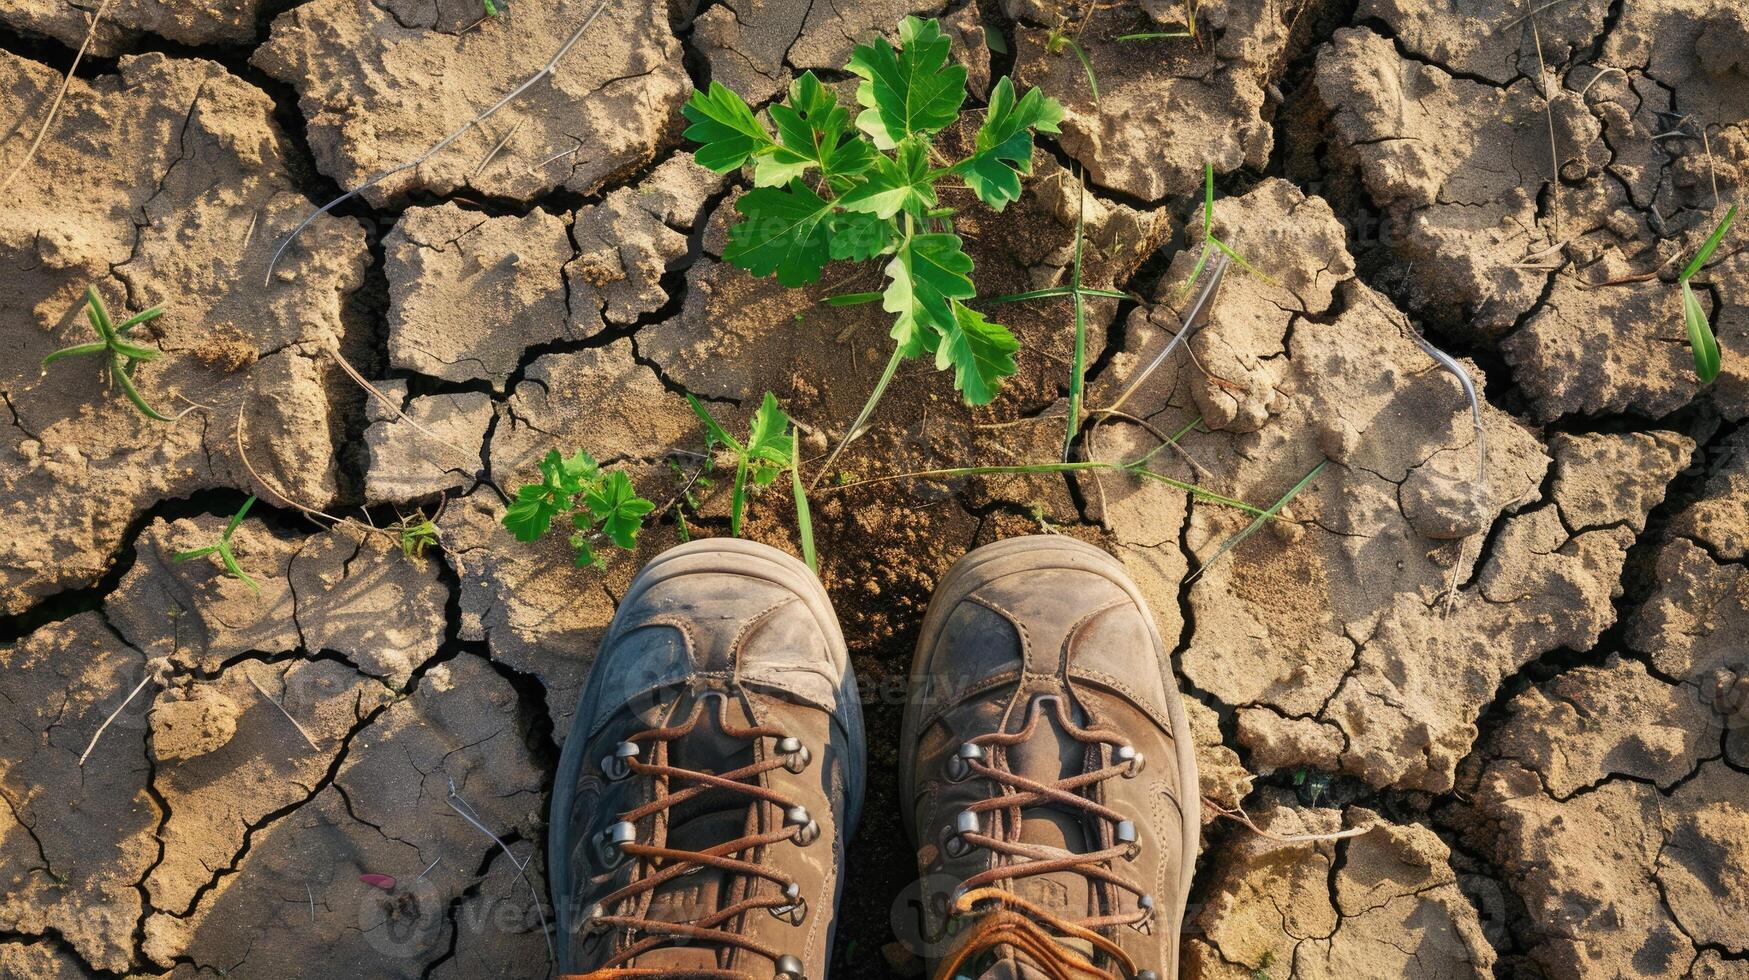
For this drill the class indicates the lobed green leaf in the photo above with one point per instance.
(784, 231)
(908, 91)
(724, 127)
(813, 132)
(1003, 152)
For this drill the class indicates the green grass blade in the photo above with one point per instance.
(95, 347)
(1196, 270)
(1712, 242)
(1200, 492)
(139, 318)
(1152, 35)
(1700, 336)
(1050, 291)
(1248, 267)
(1233, 542)
(1208, 201)
(804, 514)
(237, 518)
(714, 427)
(1087, 66)
(851, 299)
(135, 351)
(126, 380)
(738, 500)
(1078, 367)
(193, 553)
(230, 563)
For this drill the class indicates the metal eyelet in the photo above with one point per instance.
(795, 907)
(617, 766)
(959, 765)
(789, 968)
(1128, 753)
(797, 816)
(1126, 834)
(955, 844)
(609, 843)
(796, 755)
(1146, 923)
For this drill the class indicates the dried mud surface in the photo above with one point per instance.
(1488, 713)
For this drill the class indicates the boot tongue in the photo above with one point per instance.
(709, 820)
(1048, 757)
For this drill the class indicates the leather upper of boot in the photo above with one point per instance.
(725, 665)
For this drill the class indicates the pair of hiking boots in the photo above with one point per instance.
(715, 769)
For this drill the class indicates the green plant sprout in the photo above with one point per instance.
(121, 356)
(223, 548)
(1057, 41)
(823, 190)
(415, 533)
(804, 513)
(491, 8)
(768, 451)
(1700, 332)
(1189, 27)
(606, 506)
(1211, 243)
(687, 497)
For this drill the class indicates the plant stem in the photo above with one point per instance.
(868, 407)
(1077, 370)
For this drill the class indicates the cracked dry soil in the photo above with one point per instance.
(1527, 691)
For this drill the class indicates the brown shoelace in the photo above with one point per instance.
(1024, 926)
(658, 864)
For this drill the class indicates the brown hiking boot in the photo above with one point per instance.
(711, 777)
(1046, 769)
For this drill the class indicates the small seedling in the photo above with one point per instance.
(1057, 41)
(768, 451)
(606, 505)
(223, 548)
(824, 190)
(1263, 965)
(1700, 332)
(121, 356)
(1211, 243)
(415, 533)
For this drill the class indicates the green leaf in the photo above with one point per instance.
(619, 510)
(724, 128)
(784, 231)
(927, 273)
(811, 133)
(858, 235)
(1003, 152)
(909, 91)
(804, 515)
(892, 185)
(531, 513)
(767, 435)
(851, 299)
(585, 549)
(1706, 249)
(1700, 336)
(714, 430)
(981, 353)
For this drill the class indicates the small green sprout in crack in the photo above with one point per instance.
(1058, 40)
(605, 507)
(222, 548)
(1210, 242)
(1700, 332)
(827, 190)
(121, 356)
(1263, 965)
(769, 450)
(415, 533)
